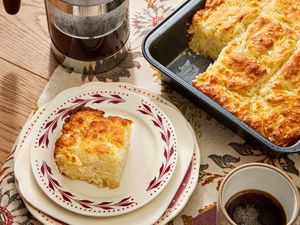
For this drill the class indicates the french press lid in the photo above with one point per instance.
(13, 6)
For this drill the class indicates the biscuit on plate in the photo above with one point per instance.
(93, 148)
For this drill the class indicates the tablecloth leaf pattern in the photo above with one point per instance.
(221, 150)
(12, 209)
(116, 73)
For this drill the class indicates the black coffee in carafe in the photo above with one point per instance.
(88, 33)
(89, 48)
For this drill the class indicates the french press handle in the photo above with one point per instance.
(12, 6)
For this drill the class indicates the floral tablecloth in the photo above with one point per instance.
(221, 150)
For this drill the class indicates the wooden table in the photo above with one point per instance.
(26, 63)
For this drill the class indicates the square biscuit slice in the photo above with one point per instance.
(286, 11)
(269, 42)
(278, 104)
(93, 148)
(219, 22)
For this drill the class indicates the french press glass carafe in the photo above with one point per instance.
(86, 34)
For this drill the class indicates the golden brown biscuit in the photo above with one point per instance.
(269, 42)
(245, 66)
(220, 22)
(286, 11)
(93, 148)
(279, 104)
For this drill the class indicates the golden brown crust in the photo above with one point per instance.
(244, 72)
(282, 102)
(208, 10)
(92, 147)
(221, 95)
(263, 34)
(286, 11)
(245, 81)
(219, 22)
(222, 17)
(89, 128)
(270, 42)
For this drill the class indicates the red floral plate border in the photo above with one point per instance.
(53, 183)
(186, 188)
(174, 208)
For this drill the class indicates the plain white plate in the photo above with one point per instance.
(31, 192)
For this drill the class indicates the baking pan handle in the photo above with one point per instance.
(297, 147)
(291, 149)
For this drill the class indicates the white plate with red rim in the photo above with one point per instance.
(31, 192)
(181, 197)
(153, 138)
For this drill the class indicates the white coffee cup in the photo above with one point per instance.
(262, 177)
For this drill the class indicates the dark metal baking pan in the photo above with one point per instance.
(166, 48)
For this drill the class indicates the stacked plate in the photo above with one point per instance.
(161, 170)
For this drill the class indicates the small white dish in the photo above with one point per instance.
(153, 138)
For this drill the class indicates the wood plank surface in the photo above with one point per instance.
(24, 38)
(19, 92)
(26, 63)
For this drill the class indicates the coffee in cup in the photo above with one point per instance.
(257, 194)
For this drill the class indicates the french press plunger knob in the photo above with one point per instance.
(12, 6)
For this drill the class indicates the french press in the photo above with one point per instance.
(86, 34)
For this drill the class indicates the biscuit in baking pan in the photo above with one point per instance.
(286, 11)
(93, 148)
(219, 22)
(245, 66)
(279, 104)
(269, 42)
